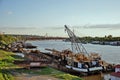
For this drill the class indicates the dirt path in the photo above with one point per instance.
(35, 77)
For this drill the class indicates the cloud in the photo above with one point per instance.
(105, 26)
(16, 28)
(10, 12)
(56, 28)
(88, 26)
(62, 27)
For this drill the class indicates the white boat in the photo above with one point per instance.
(85, 70)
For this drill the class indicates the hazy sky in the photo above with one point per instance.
(86, 17)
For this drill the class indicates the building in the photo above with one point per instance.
(116, 75)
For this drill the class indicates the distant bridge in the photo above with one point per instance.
(46, 38)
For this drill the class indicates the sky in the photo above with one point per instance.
(41, 17)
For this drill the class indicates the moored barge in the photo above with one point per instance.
(78, 59)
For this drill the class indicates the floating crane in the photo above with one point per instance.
(81, 61)
(77, 60)
(76, 47)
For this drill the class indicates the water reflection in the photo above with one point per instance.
(101, 76)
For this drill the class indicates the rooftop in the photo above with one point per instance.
(116, 74)
(117, 66)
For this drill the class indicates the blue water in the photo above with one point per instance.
(108, 53)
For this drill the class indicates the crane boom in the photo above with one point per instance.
(76, 47)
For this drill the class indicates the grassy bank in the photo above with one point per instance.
(7, 68)
(6, 62)
(49, 71)
(6, 75)
(7, 59)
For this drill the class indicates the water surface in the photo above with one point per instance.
(108, 53)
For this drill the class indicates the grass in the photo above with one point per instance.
(67, 76)
(7, 66)
(6, 62)
(6, 75)
(51, 72)
(40, 71)
(7, 58)
(5, 55)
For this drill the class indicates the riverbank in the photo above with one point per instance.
(6, 62)
(55, 44)
(9, 71)
(46, 73)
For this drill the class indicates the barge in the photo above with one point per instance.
(79, 60)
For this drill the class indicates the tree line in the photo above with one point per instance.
(105, 38)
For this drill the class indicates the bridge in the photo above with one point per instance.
(46, 38)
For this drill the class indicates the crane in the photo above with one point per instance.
(76, 47)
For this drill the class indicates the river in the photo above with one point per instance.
(110, 54)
